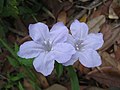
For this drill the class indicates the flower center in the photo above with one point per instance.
(78, 45)
(47, 45)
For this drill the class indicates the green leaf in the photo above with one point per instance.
(13, 62)
(10, 9)
(1, 5)
(8, 48)
(73, 78)
(17, 77)
(16, 48)
(25, 10)
(20, 86)
(2, 32)
(26, 62)
(34, 85)
(59, 69)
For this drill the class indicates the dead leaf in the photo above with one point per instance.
(84, 0)
(108, 60)
(62, 17)
(84, 18)
(56, 87)
(94, 88)
(55, 6)
(27, 85)
(117, 54)
(111, 40)
(112, 14)
(106, 31)
(116, 7)
(94, 24)
(102, 10)
(42, 80)
(82, 69)
(109, 77)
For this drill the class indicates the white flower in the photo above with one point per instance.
(85, 45)
(47, 46)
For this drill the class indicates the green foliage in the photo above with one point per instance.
(59, 69)
(12, 80)
(73, 78)
(2, 32)
(17, 77)
(20, 86)
(9, 8)
(15, 60)
(1, 5)
(25, 9)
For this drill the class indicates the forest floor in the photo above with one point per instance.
(100, 15)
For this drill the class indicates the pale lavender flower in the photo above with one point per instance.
(47, 46)
(85, 45)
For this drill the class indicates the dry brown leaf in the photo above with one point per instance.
(78, 66)
(109, 77)
(62, 17)
(94, 88)
(84, 0)
(107, 60)
(112, 14)
(84, 18)
(42, 80)
(118, 41)
(27, 85)
(102, 10)
(94, 24)
(116, 7)
(111, 40)
(55, 6)
(117, 54)
(56, 87)
(106, 31)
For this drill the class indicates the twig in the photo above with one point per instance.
(118, 25)
(24, 39)
(34, 18)
(3, 77)
(79, 15)
(99, 69)
(17, 32)
(89, 8)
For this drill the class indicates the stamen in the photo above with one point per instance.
(77, 48)
(45, 42)
(78, 45)
(47, 46)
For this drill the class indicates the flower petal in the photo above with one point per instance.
(58, 33)
(71, 40)
(89, 58)
(93, 41)
(73, 59)
(63, 52)
(29, 49)
(79, 30)
(44, 63)
(39, 32)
